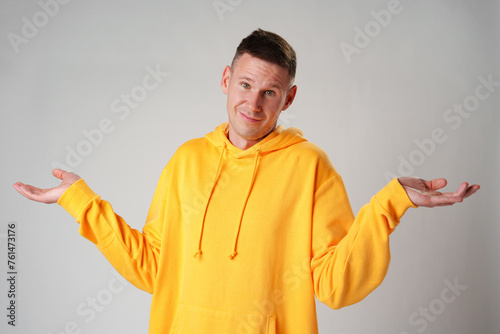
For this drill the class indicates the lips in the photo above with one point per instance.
(249, 119)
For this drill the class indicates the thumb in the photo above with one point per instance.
(59, 173)
(436, 183)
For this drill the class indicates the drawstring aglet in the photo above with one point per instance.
(197, 252)
(232, 255)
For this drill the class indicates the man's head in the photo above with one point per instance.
(259, 85)
(270, 47)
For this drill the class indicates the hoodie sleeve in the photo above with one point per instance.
(351, 255)
(133, 254)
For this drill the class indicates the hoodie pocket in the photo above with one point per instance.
(200, 320)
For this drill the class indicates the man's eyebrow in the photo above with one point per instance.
(273, 84)
(245, 78)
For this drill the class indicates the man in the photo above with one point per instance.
(272, 227)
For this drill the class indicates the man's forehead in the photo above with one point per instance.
(252, 68)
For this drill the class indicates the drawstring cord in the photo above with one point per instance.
(198, 252)
(233, 253)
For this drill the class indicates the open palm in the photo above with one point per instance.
(425, 193)
(49, 195)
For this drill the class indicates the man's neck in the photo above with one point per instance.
(242, 143)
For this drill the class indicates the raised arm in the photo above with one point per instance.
(133, 253)
(347, 268)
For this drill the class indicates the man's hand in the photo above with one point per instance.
(424, 193)
(50, 195)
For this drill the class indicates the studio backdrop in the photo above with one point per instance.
(110, 89)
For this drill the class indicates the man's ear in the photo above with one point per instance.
(224, 83)
(290, 96)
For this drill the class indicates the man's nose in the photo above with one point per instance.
(255, 101)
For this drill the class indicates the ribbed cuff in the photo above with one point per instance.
(394, 199)
(76, 198)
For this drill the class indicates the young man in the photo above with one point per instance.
(272, 228)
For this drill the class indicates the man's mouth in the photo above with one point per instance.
(249, 119)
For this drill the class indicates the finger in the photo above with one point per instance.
(444, 200)
(37, 194)
(23, 189)
(31, 192)
(436, 183)
(471, 190)
(17, 186)
(462, 189)
(59, 173)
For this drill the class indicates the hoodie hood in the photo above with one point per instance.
(278, 139)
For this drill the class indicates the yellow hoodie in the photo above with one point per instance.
(241, 241)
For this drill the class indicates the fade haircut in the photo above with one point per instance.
(270, 47)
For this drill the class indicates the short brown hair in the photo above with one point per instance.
(270, 47)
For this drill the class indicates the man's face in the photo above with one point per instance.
(257, 91)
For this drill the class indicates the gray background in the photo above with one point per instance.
(367, 111)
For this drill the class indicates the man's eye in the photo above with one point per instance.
(245, 85)
(269, 93)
